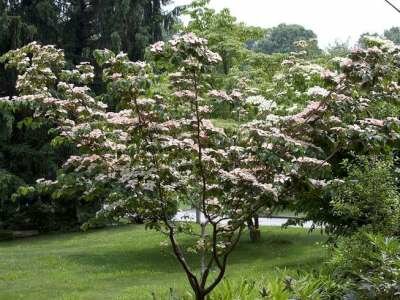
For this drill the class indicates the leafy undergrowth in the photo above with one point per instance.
(128, 263)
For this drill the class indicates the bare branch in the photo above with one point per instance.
(392, 5)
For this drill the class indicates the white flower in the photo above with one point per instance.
(262, 104)
(220, 95)
(157, 47)
(310, 161)
(346, 63)
(149, 186)
(281, 178)
(317, 91)
(319, 184)
(255, 100)
(268, 105)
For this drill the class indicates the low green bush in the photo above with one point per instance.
(362, 266)
(368, 198)
(368, 265)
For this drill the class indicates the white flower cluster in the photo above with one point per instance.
(373, 41)
(311, 161)
(262, 104)
(317, 91)
(220, 95)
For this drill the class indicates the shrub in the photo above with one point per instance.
(9, 184)
(362, 266)
(6, 235)
(368, 197)
(369, 265)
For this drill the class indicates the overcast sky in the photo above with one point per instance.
(329, 19)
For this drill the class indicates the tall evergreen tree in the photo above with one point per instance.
(79, 27)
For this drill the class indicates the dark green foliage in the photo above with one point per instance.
(49, 210)
(26, 155)
(26, 152)
(92, 25)
(80, 26)
(361, 39)
(367, 266)
(363, 266)
(140, 23)
(9, 184)
(6, 235)
(368, 198)
(393, 34)
(281, 39)
(23, 22)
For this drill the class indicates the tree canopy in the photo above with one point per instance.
(281, 39)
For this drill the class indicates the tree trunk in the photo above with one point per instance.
(198, 216)
(200, 297)
(203, 253)
(157, 21)
(254, 229)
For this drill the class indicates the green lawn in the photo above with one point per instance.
(128, 263)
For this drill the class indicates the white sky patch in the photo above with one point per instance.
(330, 19)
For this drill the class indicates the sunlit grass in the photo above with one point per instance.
(226, 123)
(128, 263)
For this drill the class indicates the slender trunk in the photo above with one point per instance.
(200, 296)
(254, 229)
(203, 253)
(256, 222)
(198, 216)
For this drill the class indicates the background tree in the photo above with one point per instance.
(359, 81)
(364, 37)
(91, 25)
(224, 34)
(281, 39)
(339, 48)
(393, 34)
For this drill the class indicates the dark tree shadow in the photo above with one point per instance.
(288, 246)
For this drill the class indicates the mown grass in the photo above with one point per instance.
(226, 123)
(128, 263)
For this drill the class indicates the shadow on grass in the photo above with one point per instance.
(283, 249)
(58, 238)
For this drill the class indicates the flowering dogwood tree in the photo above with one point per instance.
(160, 149)
(156, 151)
(353, 112)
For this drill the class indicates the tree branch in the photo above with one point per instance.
(392, 5)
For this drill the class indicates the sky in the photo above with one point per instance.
(330, 19)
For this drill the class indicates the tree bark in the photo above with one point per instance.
(198, 216)
(254, 229)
